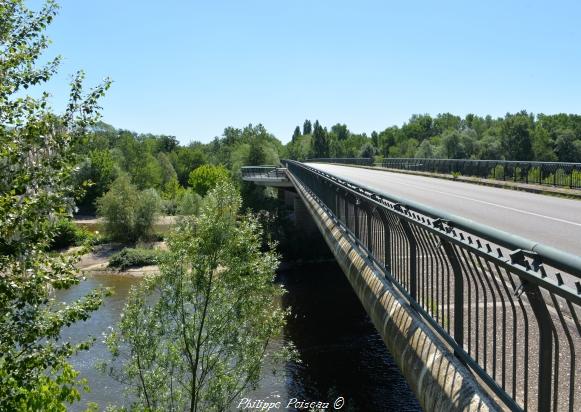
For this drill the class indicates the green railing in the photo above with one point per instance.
(509, 308)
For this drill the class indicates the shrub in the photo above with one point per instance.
(188, 203)
(146, 210)
(206, 177)
(130, 257)
(129, 214)
(67, 234)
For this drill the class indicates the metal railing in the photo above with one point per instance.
(363, 161)
(509, 308)
(263, 172)
(540, 173)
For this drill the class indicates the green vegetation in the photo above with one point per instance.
(68, 234)
(207, 177)
(37, 158)
(129, 213)
(519, 136)
(130, 257)
(194, 336)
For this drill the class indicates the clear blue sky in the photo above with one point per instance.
(191, 68)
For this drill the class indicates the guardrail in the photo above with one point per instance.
(363, 161)
(263, 172)
(509, 308)
(540, 173)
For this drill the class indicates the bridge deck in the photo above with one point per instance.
(549, 220)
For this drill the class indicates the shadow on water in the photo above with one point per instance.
(342, 354)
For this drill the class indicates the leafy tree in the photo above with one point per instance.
(375, 138)
(36, 189)
(320, 145)
(206, 177)
(516, 137)
(542, 145)
(186, 159)
(419, 127)
(307, 127)
(168, 173)
(96, 173)
(188, 203)
(167, 144)
(256, 156)
(368, 150)
(194, 337)
(296, 134)
(490, 145)
(567, 147)
(425, 150)
(387, 139)
(341, 131)
(446, 121)
(129, 214)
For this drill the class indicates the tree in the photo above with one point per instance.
(36, 189)
(307, 127)
(419, 127)
(194, 337)
(296, 134)
(168, 173)
(567, 147)
(186, 159)
(256, 155)
(542, 145)
(97, 173)
(341, 131)
(206, 177)
(516, 137)
(129, 214)
(367, 151)
(320, 143)
(425, 150)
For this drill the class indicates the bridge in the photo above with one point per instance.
(477, 316)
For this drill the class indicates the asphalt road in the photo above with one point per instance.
(549, 220)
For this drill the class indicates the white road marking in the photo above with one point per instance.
(498, 205)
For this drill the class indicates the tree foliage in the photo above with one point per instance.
(307, 127)
(518, 136)
(296, 134)
(129, 213)
(207, 177)
(36, 189)
(320, 143)
(194, 336)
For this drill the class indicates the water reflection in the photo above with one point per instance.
(342, 354)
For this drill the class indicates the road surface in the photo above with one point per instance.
(545, 219)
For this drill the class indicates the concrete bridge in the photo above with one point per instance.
(477, 316)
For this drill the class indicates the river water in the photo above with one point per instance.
(342, 354)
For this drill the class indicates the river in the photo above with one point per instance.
(342, 354)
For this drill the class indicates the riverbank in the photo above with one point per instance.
(97, 261)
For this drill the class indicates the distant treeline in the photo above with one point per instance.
(520, 136)
(159, 161)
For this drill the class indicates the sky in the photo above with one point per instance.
(192, 68)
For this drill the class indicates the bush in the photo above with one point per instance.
(68, 234)
(188, 203)
(206, 177)
(129, 257)
(129, 214)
